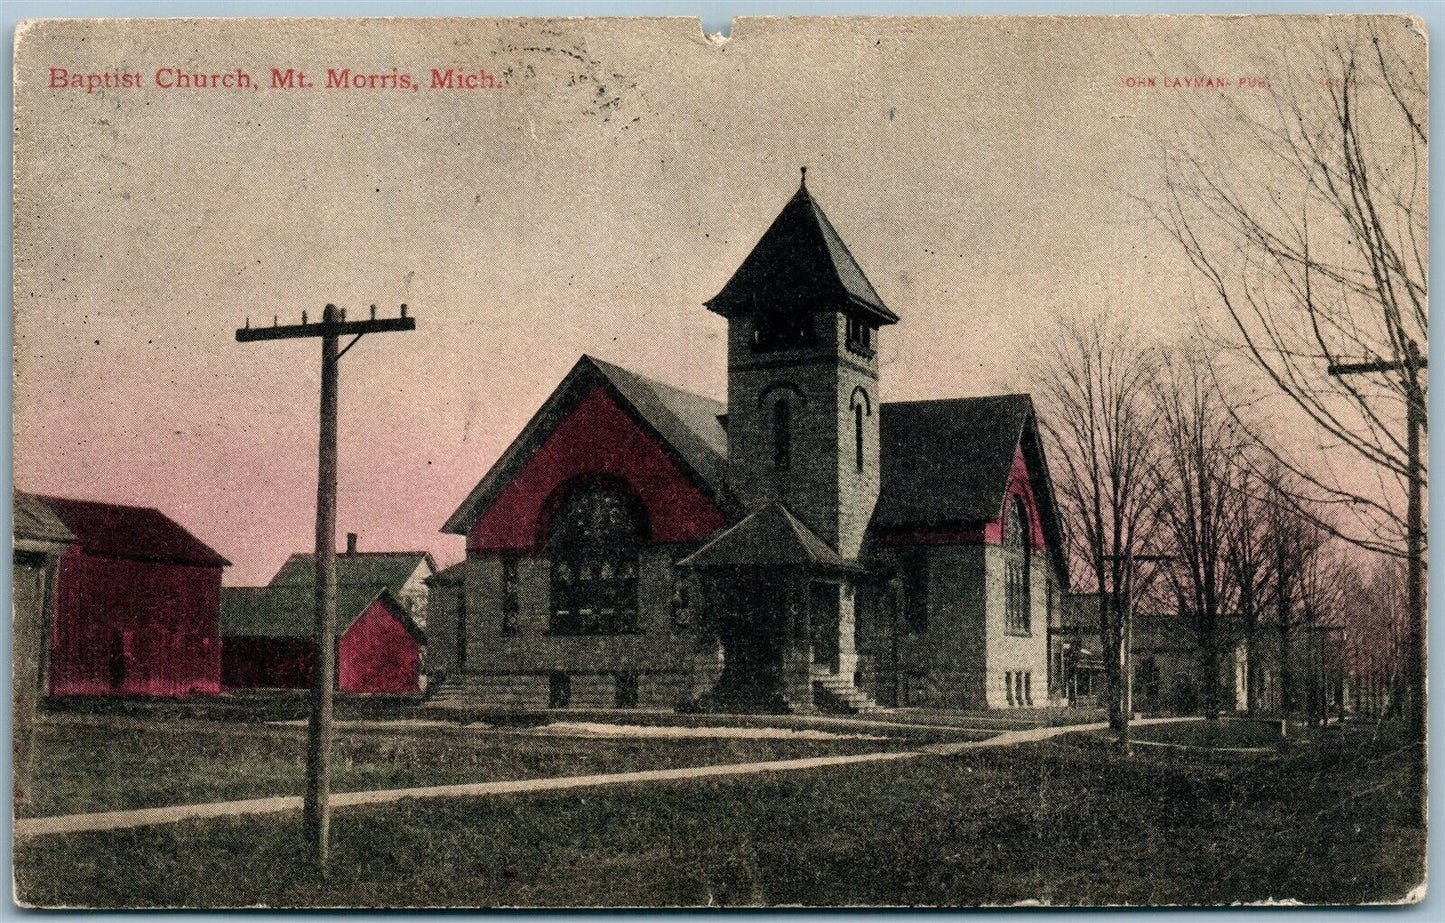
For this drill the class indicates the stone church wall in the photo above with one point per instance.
(940, 664)
(1010, 654)
(522, 667)
(822, 486)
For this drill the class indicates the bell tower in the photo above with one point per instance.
(803, 324)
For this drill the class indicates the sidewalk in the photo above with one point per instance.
(145, 817)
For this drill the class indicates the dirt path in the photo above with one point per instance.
(145, 817)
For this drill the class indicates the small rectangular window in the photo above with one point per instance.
(626, 689)
(860, 335)
(782, 435)
(511, 595)
(559, 690)
(1008, 686)
(461, 628)
(681, 606)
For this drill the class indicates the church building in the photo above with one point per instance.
(807, 546)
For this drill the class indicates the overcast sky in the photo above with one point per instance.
(983, 172)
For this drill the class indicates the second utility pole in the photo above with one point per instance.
(316, 808)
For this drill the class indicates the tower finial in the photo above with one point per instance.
(803, 172)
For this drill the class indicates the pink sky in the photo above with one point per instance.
(981, 172)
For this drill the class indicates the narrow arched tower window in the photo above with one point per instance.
(1016, 568)
(858, 436)
(782, 435)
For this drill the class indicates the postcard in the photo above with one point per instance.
(850, 462)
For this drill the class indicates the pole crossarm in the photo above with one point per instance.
(336, 328)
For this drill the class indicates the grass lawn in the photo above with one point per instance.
(118, 763)
(1068, 821)
(1227, 733)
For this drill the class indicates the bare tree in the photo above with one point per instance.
(1249, 563)
(1377, 632)
(1200, 491)
(1318, 256)
(1097, 385)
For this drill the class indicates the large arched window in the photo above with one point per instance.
(593, 545)
(782, 435)
(1016, 568)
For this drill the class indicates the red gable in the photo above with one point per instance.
(135, 532)
(597, 437)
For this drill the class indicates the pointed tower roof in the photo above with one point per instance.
(800, 264)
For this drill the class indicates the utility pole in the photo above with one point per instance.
(316, 810)
(1409, 368)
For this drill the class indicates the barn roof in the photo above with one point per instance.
(138, 533)
(36, 521)
(769, 537)
(687, 425)
(285, 608)
(800, 263)
(246, 612)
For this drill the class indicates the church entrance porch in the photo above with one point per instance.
(787, 642)
(779, 602)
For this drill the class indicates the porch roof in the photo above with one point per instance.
(768, 537)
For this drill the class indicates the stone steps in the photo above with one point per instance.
(835, 693)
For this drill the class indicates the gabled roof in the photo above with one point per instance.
(289, 611)
(285, 608)
(800, 263)
(947, 462)
(138, 533)
(769, 537)
(379, 569)
(35, 521)
(686, 423)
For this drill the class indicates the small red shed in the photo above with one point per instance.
(137, 605)
(381, 650)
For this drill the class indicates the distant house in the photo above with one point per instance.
(267, 631)
(137, 604)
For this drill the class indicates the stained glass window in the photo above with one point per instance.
(593, 547)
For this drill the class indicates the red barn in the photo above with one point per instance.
(137, 607)
(267, 630)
